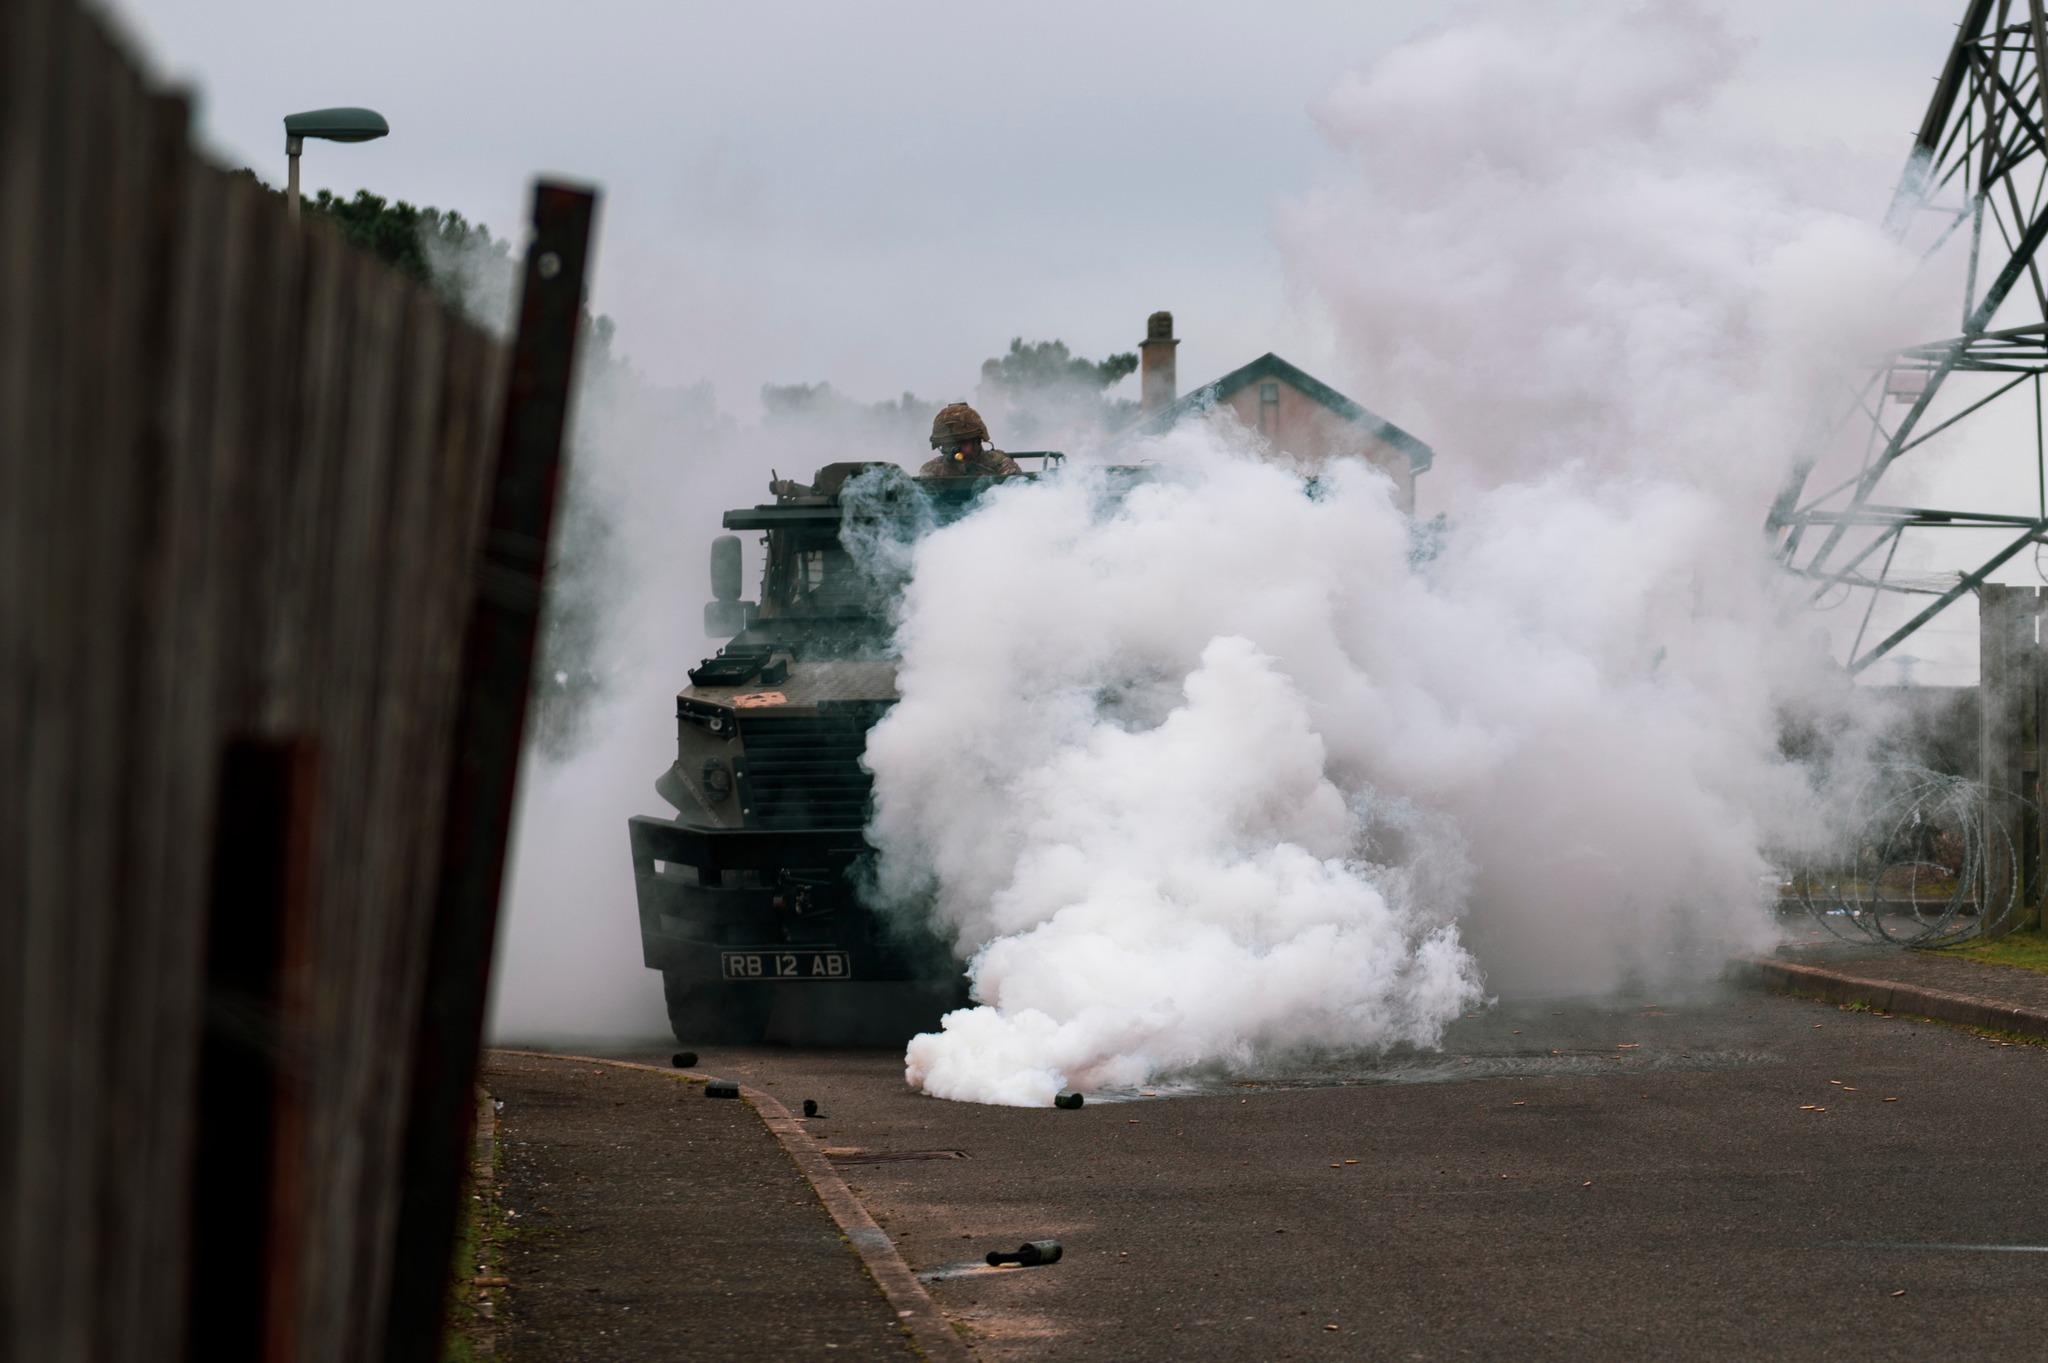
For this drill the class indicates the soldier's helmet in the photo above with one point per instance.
(956, 424)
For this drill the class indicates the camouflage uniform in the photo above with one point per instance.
(955, 427)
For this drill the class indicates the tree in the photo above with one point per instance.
(619, 417)
(1041, 392)
(457, 259)
(821, 401)
(1038, 390)
(1049, 364)
(443, 250)
(786, 404)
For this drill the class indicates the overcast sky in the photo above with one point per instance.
(882, 195)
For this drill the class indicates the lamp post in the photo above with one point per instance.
(333, 125)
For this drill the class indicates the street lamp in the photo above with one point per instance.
(335, 125)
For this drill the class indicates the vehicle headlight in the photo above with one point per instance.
(716, 780)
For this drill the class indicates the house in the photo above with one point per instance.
(1299, 415)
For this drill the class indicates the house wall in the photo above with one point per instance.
(1297, 424)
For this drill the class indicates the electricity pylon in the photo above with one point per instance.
(1971, 200)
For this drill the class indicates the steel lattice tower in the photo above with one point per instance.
(1971, 200)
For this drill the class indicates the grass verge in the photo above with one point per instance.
(2022, 950)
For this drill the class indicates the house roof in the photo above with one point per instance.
(1271, 366)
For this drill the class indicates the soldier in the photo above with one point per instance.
(961, 438)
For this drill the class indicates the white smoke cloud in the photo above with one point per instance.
(1218, 770)
(617, 626)
(1124, 804)
(1548, 248)
(651, 467)
(1214, 770)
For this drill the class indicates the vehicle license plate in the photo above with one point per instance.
(793, 963)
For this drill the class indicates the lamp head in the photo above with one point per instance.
(335, 125)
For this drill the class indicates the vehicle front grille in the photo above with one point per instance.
(803, 771)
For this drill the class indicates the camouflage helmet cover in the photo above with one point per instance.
(957, 423)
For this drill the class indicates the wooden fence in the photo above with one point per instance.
(245, 479)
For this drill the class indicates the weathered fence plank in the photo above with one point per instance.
(154, 988)
(393, 948)
(136, 179)
(24, 104)
(62, 1072)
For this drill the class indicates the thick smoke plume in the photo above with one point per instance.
(1552, 248)
(1224, 767)
(650, 469)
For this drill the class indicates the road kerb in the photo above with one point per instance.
(928, 1326)
(930, 1332)
(1893, 996)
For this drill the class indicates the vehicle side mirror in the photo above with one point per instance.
(725, 571)
(723, 619)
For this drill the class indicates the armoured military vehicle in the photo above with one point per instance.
(748, 891)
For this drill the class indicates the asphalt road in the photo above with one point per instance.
(1721, 1178)
(650, 1224)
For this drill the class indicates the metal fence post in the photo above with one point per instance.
(2009, 687)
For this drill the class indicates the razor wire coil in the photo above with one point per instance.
(1922, 862)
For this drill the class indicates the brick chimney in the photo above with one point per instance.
(1157, 385)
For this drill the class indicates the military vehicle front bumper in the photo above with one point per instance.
(705, 893)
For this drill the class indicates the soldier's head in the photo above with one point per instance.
(958, 432)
